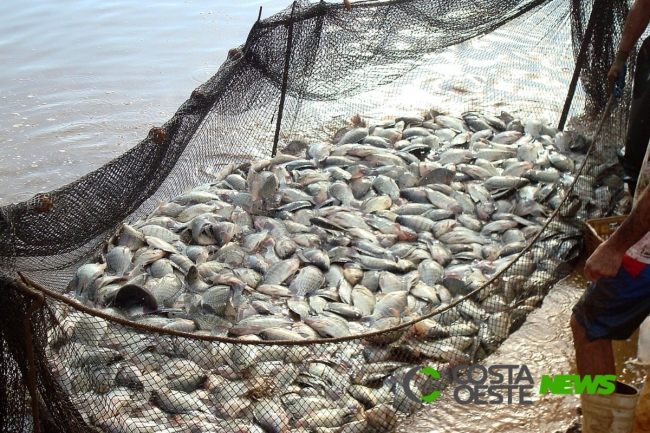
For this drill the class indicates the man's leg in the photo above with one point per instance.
(609, 309)
(592, 357)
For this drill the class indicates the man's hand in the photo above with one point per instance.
(603, 263)
(617, 67)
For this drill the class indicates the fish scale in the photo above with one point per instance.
(166, 289)
(118, 260)
(415, 222)
(279, 272)
(309, 279)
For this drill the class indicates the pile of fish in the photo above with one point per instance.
(332, 239)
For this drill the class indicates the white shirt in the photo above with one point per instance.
(641, 250)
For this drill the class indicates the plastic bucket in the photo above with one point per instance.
(613, 413)
(642, 419)
(643, 350)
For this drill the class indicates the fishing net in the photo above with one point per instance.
(300, 76)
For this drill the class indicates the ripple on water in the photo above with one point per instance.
(546, 347)
(201, 75)
(127, 62)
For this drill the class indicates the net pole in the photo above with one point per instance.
(285, 79)
(582, 58)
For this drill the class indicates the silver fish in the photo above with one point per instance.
(500, 182)
(281, 271)
(159, 232)
(329, 327)
(443, 201)
(257, 324)
(215, 299)
(280, 334)
(309, 279)
(118, 260)
(391, 305)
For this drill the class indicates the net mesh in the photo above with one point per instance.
(313, 65)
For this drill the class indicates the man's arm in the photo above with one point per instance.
(606, 260)
(635, 24)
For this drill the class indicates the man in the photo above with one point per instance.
(638, 132)
(614, 307)
(619, 300)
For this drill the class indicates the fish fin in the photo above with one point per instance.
(255, 183)
(302, 257)
(74, 285)
(134, 272)
(269, 186)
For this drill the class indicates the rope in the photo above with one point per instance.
(79, 306)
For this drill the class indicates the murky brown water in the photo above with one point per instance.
(545, 345)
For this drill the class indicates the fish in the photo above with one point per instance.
(179, 402)
(159, 232)
(501, 182)
(335, 238)
(281, 271)
(257, 324)
(215, 299)
(443, 201)
(83, 283)
(417, 223)
(165, 289)
(329, 327)
(457, 125)
(271, 416)
(309, 279)
(118, 260)
(280, 334)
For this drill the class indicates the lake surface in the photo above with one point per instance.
(83, 81)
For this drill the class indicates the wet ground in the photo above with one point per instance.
(544, 344)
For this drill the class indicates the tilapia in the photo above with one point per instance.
(323, 241)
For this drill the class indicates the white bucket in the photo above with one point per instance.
(613, 413)
(642, 418)
(643, 349)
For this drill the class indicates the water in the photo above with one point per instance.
(83, 81)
